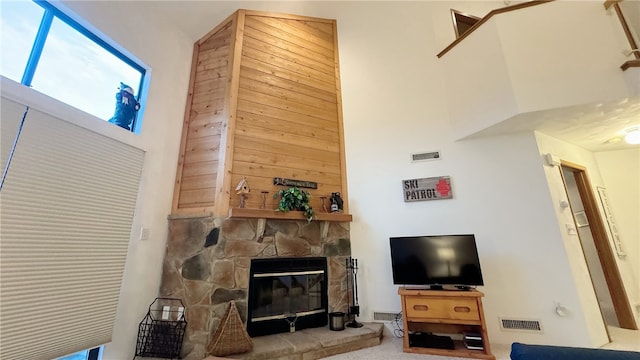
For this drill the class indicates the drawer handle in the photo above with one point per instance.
(464, 309)
(420, 307)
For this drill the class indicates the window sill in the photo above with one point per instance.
(36, 100)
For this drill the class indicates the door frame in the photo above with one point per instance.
(621, 303)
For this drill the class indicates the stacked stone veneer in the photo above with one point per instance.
(207, 263)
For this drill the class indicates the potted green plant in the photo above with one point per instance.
(295, 199)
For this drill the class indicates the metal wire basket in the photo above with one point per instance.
(161, 332)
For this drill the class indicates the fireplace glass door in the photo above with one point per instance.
(287, 294)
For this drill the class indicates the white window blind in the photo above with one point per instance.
(66, 210)
(11, 114)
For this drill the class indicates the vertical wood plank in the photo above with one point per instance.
(485, 333)
(225, 168)
(185, 129)
(216, 29)
(343, 162)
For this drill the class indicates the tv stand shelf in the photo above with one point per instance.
(452, 312)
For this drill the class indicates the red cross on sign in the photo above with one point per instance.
(443, 187)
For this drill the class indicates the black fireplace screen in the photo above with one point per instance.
(287, 294)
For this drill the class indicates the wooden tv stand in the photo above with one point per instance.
(444, 312)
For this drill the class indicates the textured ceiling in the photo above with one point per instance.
(595, 127)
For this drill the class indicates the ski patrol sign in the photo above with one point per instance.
(434, 188)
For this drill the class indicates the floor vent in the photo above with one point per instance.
(434, 155)
(384, 316)
(520, 325)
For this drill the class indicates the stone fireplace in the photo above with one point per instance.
(208, 263)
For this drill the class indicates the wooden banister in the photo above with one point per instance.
(487, 17)
(609, 3)
(625, 26)
(630, 64)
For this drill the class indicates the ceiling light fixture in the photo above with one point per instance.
(633, 136)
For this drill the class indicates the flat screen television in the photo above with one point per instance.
(433, 261)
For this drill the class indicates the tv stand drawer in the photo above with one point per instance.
(442, 308)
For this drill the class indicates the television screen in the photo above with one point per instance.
(435, 260)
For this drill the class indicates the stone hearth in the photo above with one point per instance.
(311, 344)
(207, 263)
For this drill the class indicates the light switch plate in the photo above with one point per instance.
(144, 234)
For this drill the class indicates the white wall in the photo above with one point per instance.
(394, 104)
(517, 63)
(586, 54)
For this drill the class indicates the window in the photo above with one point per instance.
(46, 49)
(20, 21)
(93, 354)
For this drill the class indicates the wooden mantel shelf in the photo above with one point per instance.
(244, 213)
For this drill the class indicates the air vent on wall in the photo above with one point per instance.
(433, 155)
(385, 316)
(520, 325)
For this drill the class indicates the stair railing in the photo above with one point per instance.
(635, 50)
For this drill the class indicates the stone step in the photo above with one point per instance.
(311, 344)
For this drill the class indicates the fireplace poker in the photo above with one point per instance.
(352, 267)
(355, 283)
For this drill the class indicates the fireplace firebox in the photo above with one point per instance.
(287, 294)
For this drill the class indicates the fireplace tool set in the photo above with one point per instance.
(354, 309)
